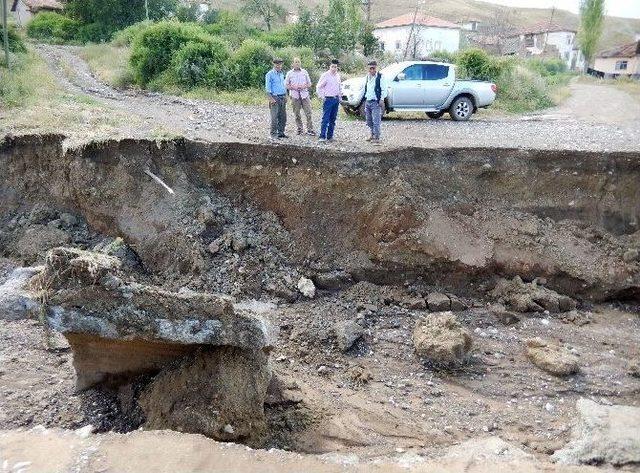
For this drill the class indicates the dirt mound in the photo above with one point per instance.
(216, 392)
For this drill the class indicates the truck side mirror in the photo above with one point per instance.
(401, 76)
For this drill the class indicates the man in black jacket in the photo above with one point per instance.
(375, 91)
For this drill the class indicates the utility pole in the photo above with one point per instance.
(367, 9)
(5, 31)
(146, 8)
(413, 26)
(546, 35)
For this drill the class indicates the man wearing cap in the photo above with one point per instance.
(375, 91)
(297, 81)
(277, 94)
(328, 90)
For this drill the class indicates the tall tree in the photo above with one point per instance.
(269, 10)
(591, 23)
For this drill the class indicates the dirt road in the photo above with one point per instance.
(595, 118)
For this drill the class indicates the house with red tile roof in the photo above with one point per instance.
(621, 61)
(23, 10)
(415, 36)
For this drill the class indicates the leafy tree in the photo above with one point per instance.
(101, 18)
(232, 27)
(368, 40)
(591, 23)
(269, 10)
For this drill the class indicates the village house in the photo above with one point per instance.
(417, 36)
(621, 61)
(548, 39)
(23, 10)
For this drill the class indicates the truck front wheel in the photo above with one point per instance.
(461, 109)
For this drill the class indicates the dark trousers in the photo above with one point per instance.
(278, 115)
(329, 115)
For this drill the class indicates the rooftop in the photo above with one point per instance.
(419, 19)
(546, 26)
(37, 5)
(625, 50)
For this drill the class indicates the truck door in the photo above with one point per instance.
(408, 88)
(438, 84)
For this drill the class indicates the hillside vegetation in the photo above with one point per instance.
(616, 30)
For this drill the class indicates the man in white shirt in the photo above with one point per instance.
(375, 91)
(298, 83)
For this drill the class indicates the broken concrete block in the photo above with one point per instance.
(529, 297)
(117, 328)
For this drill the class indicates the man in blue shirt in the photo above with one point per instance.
(375, 91)
(277, 94)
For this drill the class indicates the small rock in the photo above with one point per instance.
(438, 302)
(239, 243)
(323, 370)
(504, 316)
(551, 358)
(306, 287)
(457, 304)
(413, 303)
(228, 429)
(213, 247)
(333, 280)
(631, 255)
(633, 368)
(68, 219)
(84, 432)
(347, 333)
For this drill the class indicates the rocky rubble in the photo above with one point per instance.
(530, 297)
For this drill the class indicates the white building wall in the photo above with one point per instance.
(564, 42)
(429, 39)
(22, 13)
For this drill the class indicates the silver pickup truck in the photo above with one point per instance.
(423, 86)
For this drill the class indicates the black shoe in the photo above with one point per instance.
(283, 136)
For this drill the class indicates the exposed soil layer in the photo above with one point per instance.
(387, 239)
(454, 218)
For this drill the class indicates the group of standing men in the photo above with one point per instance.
(298, 84)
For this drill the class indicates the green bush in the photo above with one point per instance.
(547, 67)
(231, 26)
(16, 45)
(444, 56)
(53, 27)
(125, 37)
(477, 64)
(153, 49)
(279, 38)
(250, 63)
(199, 63)
(523, 90)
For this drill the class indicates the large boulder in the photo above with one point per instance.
(441, 339)
(551, 358)
(603, 434)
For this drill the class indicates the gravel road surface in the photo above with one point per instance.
(596, 117)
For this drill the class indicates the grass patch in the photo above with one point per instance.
(109, 63)
(28, 81)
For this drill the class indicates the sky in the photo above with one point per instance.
(624, 8)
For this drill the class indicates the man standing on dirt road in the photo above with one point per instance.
(375, 91)
(328, 90)
(277, 94)
(298, 82)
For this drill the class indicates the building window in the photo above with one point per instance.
(528, 41)
(398, 44)
(381, 45)
(621, 65)
(569, 38)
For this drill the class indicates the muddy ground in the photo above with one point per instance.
(251, 223)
